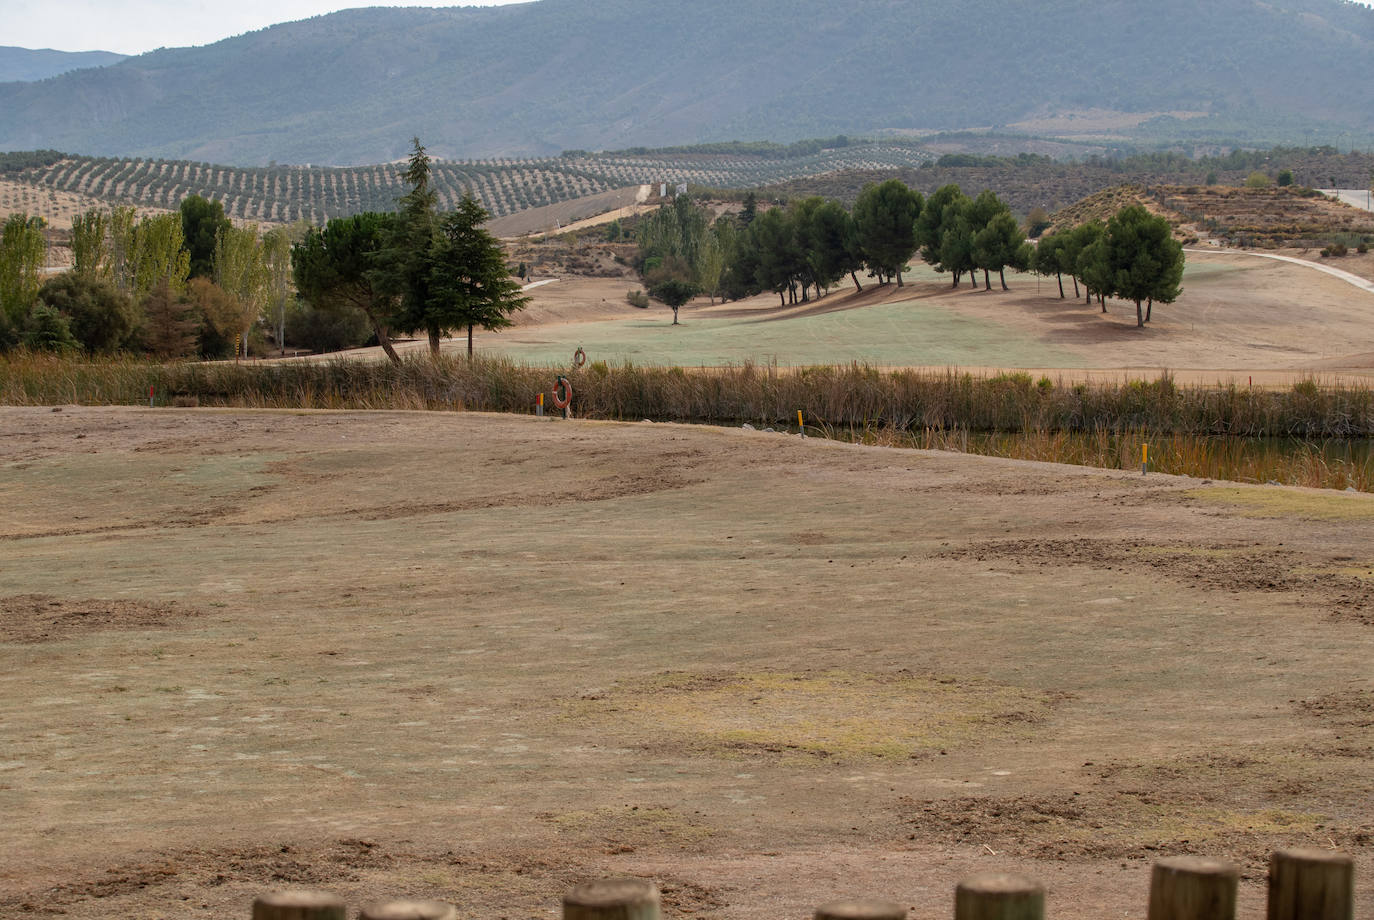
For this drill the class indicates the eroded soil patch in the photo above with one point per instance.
(191, 881)
(1217, 566)
(30, 618)
(1218, 805)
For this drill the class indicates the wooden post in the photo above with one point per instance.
(409, 910)
(612, 899)
(999, 896)
(1193, 888)
(860, 910)
(299, 905)
(1311, 885)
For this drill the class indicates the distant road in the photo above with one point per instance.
(1363, 284)
(1355, 197)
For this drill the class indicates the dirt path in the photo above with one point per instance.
(480, 658)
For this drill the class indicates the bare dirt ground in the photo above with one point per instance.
(481, 658)
(577, 214)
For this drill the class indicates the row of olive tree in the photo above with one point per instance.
(412, 270)
(1133, 256)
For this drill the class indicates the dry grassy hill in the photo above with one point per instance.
(1264, 217)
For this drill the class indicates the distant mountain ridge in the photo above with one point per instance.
(536, 78)
(26, 64)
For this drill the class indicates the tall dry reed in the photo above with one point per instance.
(842, 396)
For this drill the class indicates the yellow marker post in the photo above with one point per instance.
(1144, 457)
(539, 406)
(799, 423)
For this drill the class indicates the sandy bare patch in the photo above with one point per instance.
(29, 618)
(725, 659)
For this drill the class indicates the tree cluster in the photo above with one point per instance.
(808, 246)
(1133, 256)
(805, 248)
(171, 285)
(193, 283)
(414, 270)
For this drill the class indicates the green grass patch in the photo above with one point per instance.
(1271, 503)
(894, 335)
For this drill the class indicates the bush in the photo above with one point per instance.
(100, 317)
(323, 331)
(1258, 179)
(9, 336)
(48, 330)
(1362, 248)
(638, 299)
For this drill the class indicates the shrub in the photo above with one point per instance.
(100, 317)
(48, 330)
(1258, 179)
(322, 330)
(9, 336)
(1362, 248)
(638, 299)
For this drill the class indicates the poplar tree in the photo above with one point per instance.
(91, 245)
(276, 259)
(239, 271)
(158, 255)
(23, 251)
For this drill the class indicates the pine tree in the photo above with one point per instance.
(885, 219)
(469, 283)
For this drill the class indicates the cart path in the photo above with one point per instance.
(1363, 284)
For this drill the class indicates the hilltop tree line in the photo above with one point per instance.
(805, 248)
(192, 283)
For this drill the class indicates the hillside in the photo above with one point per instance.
(26, 64)
(1261, 217)
(546, 193)
(537, 78)
(503, 185)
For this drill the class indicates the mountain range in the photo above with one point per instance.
(24, 64)
(537, 78)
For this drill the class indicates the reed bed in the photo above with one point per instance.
(1329, 464)
(1200, 430)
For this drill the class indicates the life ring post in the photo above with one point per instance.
(562, 395)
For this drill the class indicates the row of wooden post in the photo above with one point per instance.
(1303, 885)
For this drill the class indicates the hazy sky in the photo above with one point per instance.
(135, 26)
